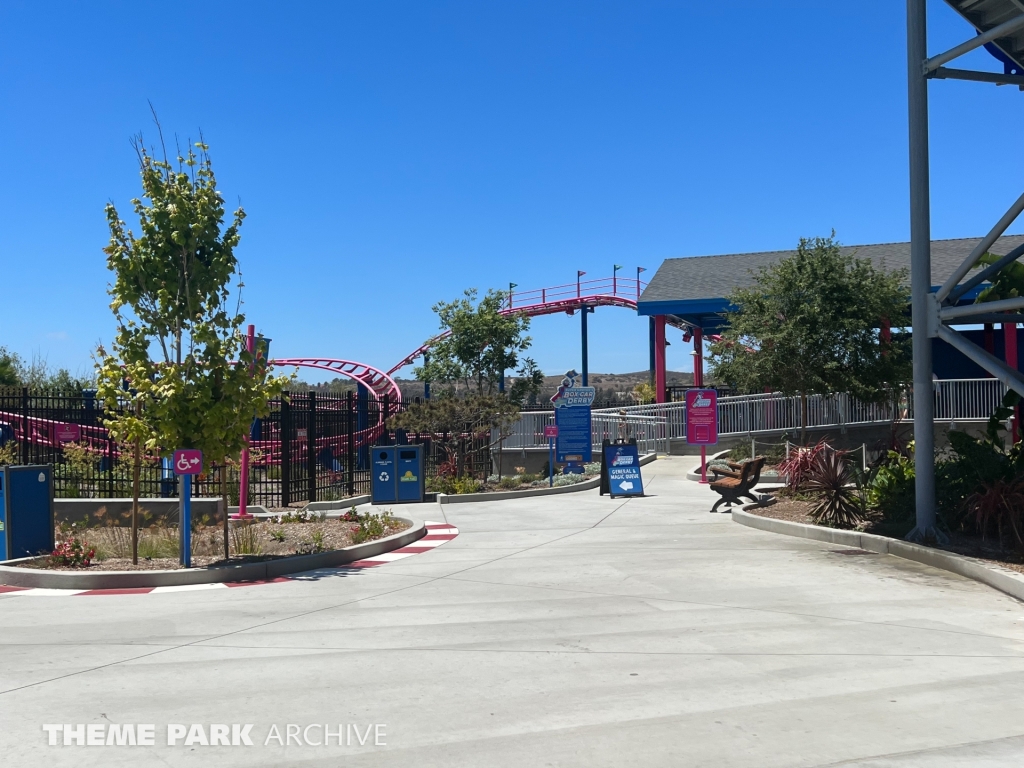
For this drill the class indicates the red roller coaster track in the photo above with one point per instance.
(569, 298)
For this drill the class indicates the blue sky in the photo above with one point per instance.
(390, 155)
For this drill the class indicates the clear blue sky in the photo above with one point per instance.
(391, 154)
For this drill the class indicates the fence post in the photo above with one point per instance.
(24, 425)
(351, 453)
(286, 450)
(311, 447)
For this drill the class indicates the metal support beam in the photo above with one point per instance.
(986, 307)
(954, 53)
(920, 272)
(996, 317)
(981, 248)
(583, 338)
(944, 73)
(997, 367)
(986, 273)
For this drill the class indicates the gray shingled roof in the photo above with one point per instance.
(713, 277)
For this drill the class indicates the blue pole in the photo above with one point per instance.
(583, 334)
(186, 521)
(551, 462)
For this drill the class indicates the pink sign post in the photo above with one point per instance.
(702, 423)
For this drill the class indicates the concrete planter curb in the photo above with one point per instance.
(586, 485)
(14, 576)
(1005, 580)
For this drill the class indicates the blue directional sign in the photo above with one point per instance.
(623, 463)
(572, 417)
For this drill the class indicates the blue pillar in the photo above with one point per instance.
(426, 384)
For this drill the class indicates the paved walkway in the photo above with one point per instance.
(562, 631)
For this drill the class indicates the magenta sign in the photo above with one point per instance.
(701, 416)
(188, 461)
(68, 433)
(551, 430)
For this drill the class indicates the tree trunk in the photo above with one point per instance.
(136, 471)
(224, 496)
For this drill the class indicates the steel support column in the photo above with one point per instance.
(920, 273)
(584, 367)
(659, 359)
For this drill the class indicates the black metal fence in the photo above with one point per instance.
(312, 446)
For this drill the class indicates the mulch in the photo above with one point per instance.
(796, 511)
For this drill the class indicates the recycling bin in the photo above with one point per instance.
(26, 511)
(410, 473)
(384, 489)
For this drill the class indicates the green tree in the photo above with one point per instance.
(811, 325)
(171, 295)
(478, 344)
(10, 368)
(452, 421)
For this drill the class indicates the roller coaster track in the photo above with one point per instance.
(569, 298)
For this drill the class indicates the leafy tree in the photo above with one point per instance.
(10, 364)
(478, 345)
(451, 421)
(37, 374)
(810, 325)
(178, 367)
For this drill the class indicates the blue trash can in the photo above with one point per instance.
(410, 473)
(384, 489)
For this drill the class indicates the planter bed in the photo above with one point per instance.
(27, 573)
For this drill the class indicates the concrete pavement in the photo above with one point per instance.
(564, 631)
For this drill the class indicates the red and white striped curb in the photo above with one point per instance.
(437, 534)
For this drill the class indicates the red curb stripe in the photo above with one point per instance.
(5, 588)
(359, 564)
(124, 591)
(413, 550)
(438, 537)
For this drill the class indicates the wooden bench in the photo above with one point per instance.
(737, 482)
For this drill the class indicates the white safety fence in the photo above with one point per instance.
(655, 424)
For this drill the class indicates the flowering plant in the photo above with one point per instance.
(72, 552)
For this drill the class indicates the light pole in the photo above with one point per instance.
(510, 287)
(579, 274)
(615, 272)
(638, 271)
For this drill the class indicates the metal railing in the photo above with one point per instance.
(657, 423)
(650, 430)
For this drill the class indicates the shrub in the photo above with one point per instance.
(510, 483)
(831, 480)
(1000, 503)
(301, 516)
(373, 526)
(798, 465)
(72, 552)
(891, 492)
(245, 538)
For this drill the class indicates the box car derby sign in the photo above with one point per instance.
(623, 464)
(572, 417)
(701, 416)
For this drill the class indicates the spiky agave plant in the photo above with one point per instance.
(831, 480)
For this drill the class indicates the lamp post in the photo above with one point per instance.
(510, 287)
(579, 274)
(638, 271)
(615, 272)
